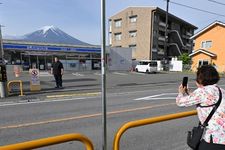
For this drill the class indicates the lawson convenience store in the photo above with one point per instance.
(41, 55)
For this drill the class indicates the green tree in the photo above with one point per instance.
(185, 58)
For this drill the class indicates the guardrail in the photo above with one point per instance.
(148, 121)
(50, 141)
(10, 84)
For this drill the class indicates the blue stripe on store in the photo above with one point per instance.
(49, 48)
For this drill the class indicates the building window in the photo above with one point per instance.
(133, 19)
(133, 33)
(118, 36)
(133, 46)
(118, 23)
(202, 62)
(110, 38)
(206, 44)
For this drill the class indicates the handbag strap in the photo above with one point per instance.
(214, 109)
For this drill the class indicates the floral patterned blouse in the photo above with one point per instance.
(206, 96)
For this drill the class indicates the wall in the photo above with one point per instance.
(176, 65)
(120, 59)
(142, 26)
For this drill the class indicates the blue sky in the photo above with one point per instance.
(81, 18)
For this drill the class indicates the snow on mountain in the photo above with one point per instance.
(51, 34)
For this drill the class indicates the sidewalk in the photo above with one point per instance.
(71, 83)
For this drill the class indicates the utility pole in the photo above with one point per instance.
(166, 61)
(3, 75)
(103, 70)
(1, 41)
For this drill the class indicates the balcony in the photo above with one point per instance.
(185, 36)
(163, 24)
(161, 42)
(189, 34)
(160, 38)
(161, 51)
(188, 45)
(162, 28)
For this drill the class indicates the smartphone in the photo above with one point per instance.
(185, 81)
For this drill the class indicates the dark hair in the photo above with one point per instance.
(207, 75)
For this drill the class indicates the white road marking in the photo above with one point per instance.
(139, 73)
(71, 99)
(119, 73)
(77, 74)
(98, 74)
(45, 74)
(158, 96)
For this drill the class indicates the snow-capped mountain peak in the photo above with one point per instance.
(51, 34)
(46, 28)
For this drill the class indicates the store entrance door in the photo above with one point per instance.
(34, 61)
(42, 62)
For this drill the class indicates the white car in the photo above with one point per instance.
(147, 66)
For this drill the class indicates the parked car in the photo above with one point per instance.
(147, 66)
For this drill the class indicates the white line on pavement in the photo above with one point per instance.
(98, 74)
(156, 97)
(119, 73)
(138, 73)
(69, 99)
(77, 74)
(45, 74)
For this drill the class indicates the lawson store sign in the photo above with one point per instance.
(49, 48)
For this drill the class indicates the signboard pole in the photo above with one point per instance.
(35, 80)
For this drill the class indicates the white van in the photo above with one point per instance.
(147, 66)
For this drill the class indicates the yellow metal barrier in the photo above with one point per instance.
(148, 121)
(13, 82)
(50, 141)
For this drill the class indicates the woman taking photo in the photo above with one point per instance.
(205, 97)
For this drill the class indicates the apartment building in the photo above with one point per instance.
(143, 30)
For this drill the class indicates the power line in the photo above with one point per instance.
(217, 2)
(209, 12)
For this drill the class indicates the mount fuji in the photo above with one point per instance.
(51, 34)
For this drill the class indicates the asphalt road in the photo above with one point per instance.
(130, 96)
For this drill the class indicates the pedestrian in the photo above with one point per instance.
(207, 96)
(57, 71)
